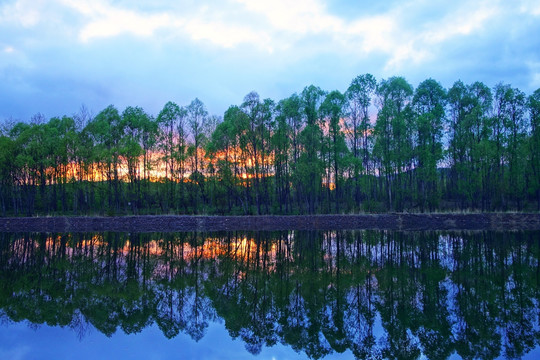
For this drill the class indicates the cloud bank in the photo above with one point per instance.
(56, 55)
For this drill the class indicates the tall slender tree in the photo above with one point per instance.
(360, 130)
(105, 133)
(310, 167)
(286, 147)
(516, 126)
(171, 120)
(393, 137)
(333, 109)
(429, 102)
(534, 145)
(197, 116)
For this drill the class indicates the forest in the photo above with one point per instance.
(380, 146)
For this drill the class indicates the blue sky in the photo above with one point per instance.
(59, 54)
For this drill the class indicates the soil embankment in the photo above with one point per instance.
(486, 221)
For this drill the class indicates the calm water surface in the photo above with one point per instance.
(270, 295)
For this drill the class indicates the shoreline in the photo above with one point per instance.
(171, 223)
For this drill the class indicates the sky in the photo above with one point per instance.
(57, 55)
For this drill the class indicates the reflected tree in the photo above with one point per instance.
(376, 294)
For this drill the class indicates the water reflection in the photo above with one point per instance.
(379, 294)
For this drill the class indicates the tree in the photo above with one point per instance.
(63, 142)
(197, 118)
(105, 132)
(286, 148)
(310, 167)
(470, 144)
(428, 102)
(533, 146)
(134, 122)
(457, 137)
(7, 167)
(359, 130)
(29, 164)
(149, 138)
(516, 128)
(332, 109)
(393, 137)
(171, 119)
(478, 121)
(235, 125)
(252, 107)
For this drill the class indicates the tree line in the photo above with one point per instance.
(378, 146)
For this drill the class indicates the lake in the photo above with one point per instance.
(340, 294)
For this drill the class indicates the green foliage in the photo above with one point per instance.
(429, 101)
(393, 137)
(533, 144)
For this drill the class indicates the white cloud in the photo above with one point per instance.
(226, 35)
(461, 22)
(13, 58)
(530, 7)
(288, 23)
(270, 26)
(105, 20)
(377, 33)
(405, 53)
(24, 13)
(421, 42)
(298, 17)
(119, 22)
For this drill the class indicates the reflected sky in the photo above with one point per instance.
(21, 342)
